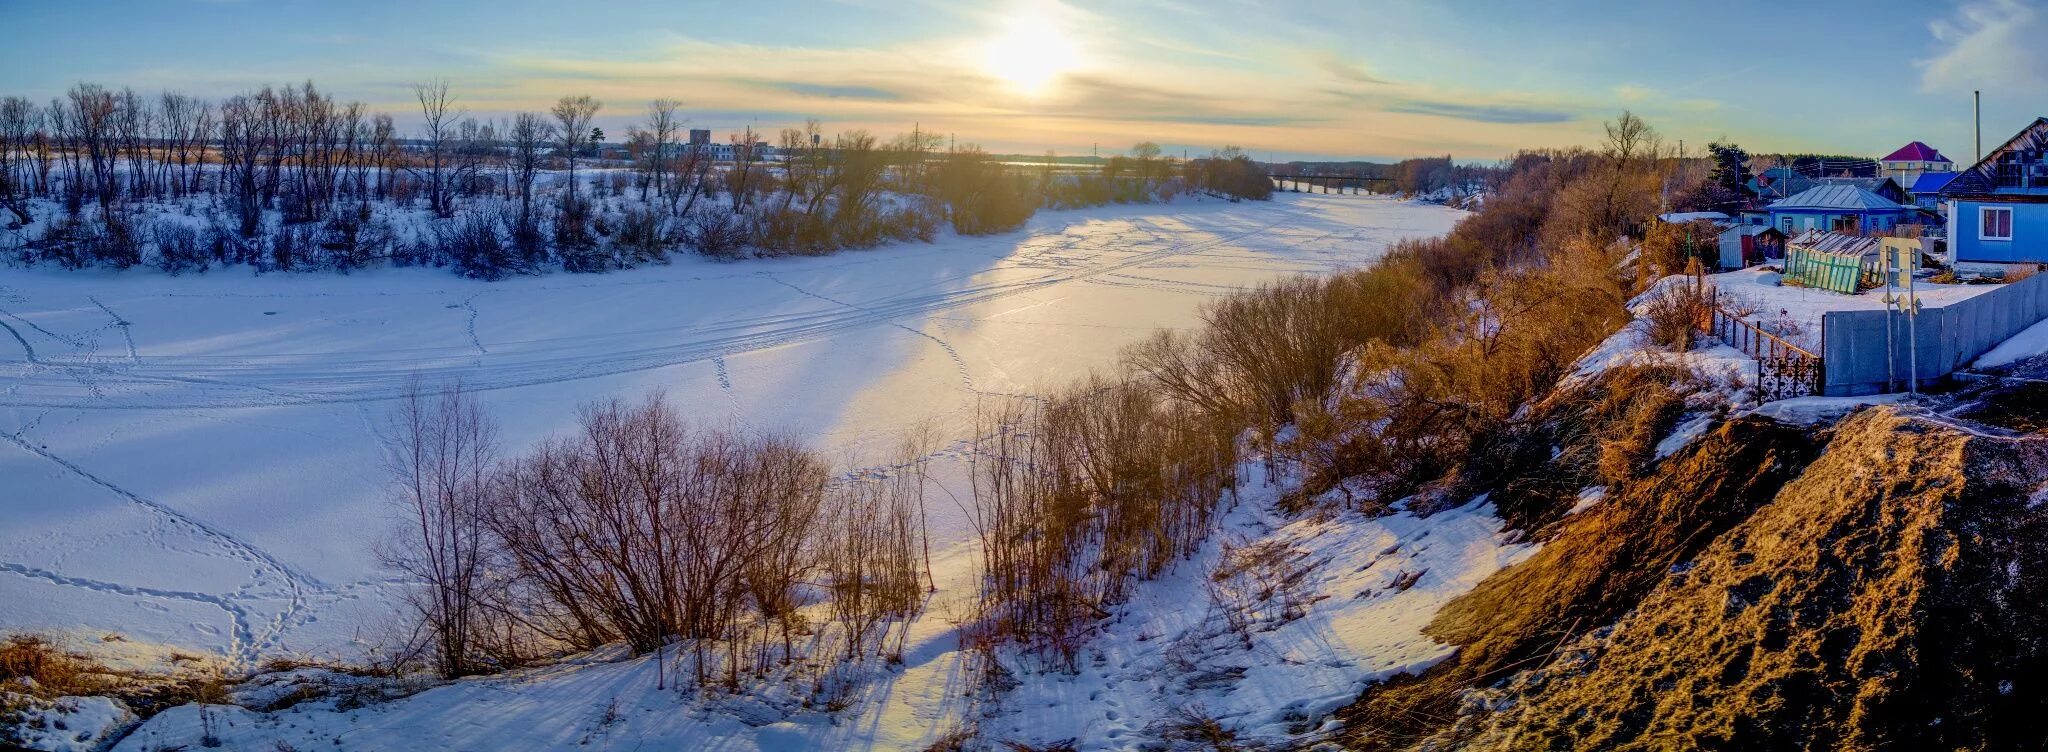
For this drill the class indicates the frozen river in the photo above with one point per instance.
(191, 461)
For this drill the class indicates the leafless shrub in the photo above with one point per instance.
(644, 235)
(1081, 493)
(716, 231)
(441, 454)
(871, 547)
(641, 527)
(178, 249)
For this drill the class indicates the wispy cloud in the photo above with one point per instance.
(830, 91)
(1345, 70)
(1482, 113)
(1995, 44)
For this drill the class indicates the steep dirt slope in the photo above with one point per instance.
(1598, 565)
(1893, 596)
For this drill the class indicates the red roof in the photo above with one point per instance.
(1916, 152)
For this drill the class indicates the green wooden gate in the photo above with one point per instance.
(1828, 271)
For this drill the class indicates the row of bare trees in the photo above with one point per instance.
(643, 529)
(302, 180)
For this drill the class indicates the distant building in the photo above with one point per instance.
(1998, 209)
(1913, 160)
(700, 136)
(1777, 183)
(1839, 208)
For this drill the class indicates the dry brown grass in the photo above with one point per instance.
(44, 668)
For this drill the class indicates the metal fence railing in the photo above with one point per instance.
(1784, 370)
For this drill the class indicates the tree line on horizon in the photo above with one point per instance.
(292, 178)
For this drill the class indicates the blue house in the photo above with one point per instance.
(1998, 209)
(1885, 187)
(1927, 189)
(1838, 207)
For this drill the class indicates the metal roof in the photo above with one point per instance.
(1917, 152)
(1837, 197)
(1978, 180)
(1933, 182)
(1835, 242)
(1741, 230)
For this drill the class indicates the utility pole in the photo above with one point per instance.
(1977, 119)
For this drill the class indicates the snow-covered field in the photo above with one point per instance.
(191, 461)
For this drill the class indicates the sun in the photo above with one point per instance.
(1030, 53)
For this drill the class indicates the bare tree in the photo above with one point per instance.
(438, 127)
(574, 115)
(1147, 155)
(661, 131)
(529, 135)
(441, 452)
(740, 178)
(241, 149)
(19, 120)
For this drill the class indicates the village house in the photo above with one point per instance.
(1927, 190)
(1912, 161)
(1839, 207)
(1890, 189)
(1998, 209)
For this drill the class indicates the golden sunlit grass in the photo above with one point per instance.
(1031, 53)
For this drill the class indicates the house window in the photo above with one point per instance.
(1788, 225)
(1994, 223)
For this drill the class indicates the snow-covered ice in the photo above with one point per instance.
(191, 461)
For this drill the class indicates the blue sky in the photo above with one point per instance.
(1475, 79)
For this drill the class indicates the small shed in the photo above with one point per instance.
(1749, 245)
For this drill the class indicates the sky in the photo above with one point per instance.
(1374, 79)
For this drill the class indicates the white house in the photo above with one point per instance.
(1906, 165)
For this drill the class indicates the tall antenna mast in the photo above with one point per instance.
(1977, 99)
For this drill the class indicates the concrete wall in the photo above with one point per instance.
(1948, 338)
